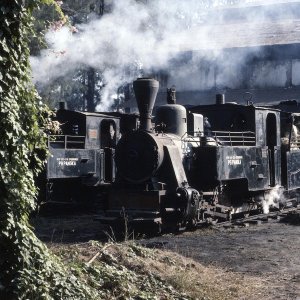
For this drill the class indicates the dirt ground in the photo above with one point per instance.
(269, 251)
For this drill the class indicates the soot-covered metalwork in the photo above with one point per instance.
(182, 166)
(193, 164)
(81, 161)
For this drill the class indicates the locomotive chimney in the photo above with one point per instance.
(62, 105)
(145, 90)
(171, 95)
(220, 99)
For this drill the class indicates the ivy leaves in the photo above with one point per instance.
(28, 270)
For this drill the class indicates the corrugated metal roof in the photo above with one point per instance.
(247, 34)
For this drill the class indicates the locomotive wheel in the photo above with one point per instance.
(192, 225)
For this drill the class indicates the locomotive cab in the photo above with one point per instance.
(290, 139)
(81, 150)
(82, 155)
(245, 159)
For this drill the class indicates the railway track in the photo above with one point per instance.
(78, 225)
(257, 219)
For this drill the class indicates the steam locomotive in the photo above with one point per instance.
(206, 162)
(80, 166)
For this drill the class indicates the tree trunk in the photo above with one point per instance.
(90, 103)
(101, 7)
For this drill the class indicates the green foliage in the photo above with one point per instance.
(28, 270)
(44, 16)
(73, 88)
(121, 271)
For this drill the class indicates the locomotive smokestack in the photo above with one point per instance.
(171, 95)
(220, 99)
(145, 90)
(62, 105)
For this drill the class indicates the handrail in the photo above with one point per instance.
(66, 141)
(295, 142)
(244, 138)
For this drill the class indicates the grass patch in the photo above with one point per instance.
(130, 271)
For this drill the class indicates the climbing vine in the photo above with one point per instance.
(27, 269)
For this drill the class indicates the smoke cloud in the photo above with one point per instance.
(273, 199)
(151, 37)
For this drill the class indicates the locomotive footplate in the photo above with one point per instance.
(140, 221)
(131, 200)
(130, 215)
(138, 209)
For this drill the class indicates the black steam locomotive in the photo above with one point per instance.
(204, 162)
(81, 167)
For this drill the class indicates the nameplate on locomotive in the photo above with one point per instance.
(93, 133)
(67, 161)
(234, 160)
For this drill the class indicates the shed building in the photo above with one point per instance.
(249, 53)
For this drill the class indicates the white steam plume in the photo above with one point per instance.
(149, 35)
(272, 199)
